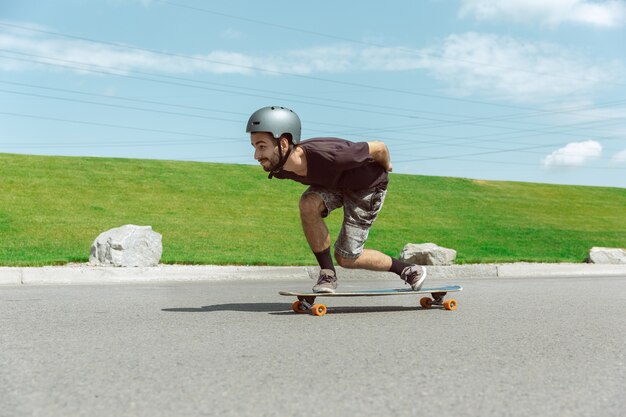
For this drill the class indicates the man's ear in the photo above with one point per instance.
(284, 142)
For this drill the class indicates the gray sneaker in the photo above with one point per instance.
(414, 275)
(327, 282)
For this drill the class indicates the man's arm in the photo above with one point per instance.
(380, 153)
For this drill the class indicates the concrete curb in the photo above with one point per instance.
(559, 270)
(83, 274)
(94, 275)
(527, 270)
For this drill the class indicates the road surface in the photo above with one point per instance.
(514, 347)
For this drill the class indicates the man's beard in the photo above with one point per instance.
(269, 167)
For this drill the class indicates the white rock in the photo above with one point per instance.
(128, 245)
(427, 254)
(607, 256)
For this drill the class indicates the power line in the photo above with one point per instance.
(491, 152)
(315, 78)
(510, 163)
(118, 106)
(240, 93)
(377, 45)
(498, 151)
(268, 71)
(199, 87)
(116, 97)
(109, 143)
(440, 122)
(413, 144)
(538, 132)
(437, 122)
(110, 125)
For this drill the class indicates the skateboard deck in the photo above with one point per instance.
(306, 301)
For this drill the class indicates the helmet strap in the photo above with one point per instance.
(282, 159)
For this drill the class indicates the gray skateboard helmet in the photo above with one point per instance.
(276, 120)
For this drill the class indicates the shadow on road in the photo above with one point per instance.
(372, 309)
(245, 307)
(283, 309)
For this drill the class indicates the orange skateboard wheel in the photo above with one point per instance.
(449, 305)
(298, 307)
(426, 302)
(319, 309)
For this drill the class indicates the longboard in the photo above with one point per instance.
(306, 301)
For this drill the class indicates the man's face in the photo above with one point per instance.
(265, 150)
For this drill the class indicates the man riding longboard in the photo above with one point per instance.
(339, 173)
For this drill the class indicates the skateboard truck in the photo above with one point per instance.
(305, 304)
(437, 300)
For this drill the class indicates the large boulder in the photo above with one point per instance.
(427, 254)
(607, 256)
(128, 245)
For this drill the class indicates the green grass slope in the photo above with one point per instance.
(52, 208)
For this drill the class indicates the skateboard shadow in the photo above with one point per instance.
(280, 309)
(242, 307)
(370, 309)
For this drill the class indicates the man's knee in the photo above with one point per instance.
(345, 262)
(311, 205)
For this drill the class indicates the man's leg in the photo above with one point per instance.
(373, 260)
(361, 208)
(360, 211)
(370, 259)
(312, 208)
(312, 212)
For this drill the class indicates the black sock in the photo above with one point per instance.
(325, 259)
(397, 266)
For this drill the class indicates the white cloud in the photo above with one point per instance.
(573, 154)
(606, 14)
(619, 158)
(32, 49)
(497, 66)
(515, 69)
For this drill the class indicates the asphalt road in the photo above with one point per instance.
(531, 347)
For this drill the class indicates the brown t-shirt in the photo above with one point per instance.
(338, 163)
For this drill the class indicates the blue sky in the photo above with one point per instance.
(522, 90)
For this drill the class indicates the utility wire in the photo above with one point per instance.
(264, 70)
(437, 122)
(314, 78)
(110, 125)
(412, 144)
(377, 45)
(441, 122)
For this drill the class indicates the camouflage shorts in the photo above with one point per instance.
(360, 209)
